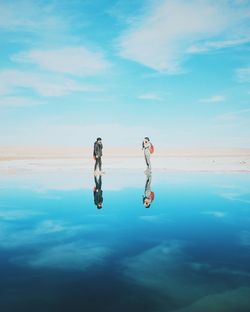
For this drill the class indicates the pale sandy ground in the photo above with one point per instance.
(39, 159)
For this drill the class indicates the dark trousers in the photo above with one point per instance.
(98, 162)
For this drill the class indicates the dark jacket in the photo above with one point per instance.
(98, 198)
(97, 149)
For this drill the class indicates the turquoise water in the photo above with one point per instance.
(190, 251)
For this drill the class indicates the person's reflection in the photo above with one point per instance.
(149, 196)
(98, 198)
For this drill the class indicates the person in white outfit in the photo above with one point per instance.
(146, 148)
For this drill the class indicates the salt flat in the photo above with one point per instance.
(15, 159)
(210, 164)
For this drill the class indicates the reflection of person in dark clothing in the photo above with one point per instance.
(148, 194)
(98, 199)
(97, 154)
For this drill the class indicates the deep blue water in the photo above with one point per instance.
(188, 252)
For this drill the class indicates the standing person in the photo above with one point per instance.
(148, 149)
(97, 155)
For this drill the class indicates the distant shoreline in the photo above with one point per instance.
(34, 153)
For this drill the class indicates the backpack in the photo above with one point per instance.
(152, 195)
(151, 148)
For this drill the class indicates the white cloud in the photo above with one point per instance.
(217, 214)
(70, 60)
(237, 195)
(229, 300)
(42, 84)
(18, 101)
(73, 256)
(49, 231)
(51, 226)
(233, 116)
(150, 97)
(213, 99)
(215, 45)
(230, 129)
(149, 218)
(245, 238)
(165, 270)
(161, 218)
(30, 16)
(243, 74)
(166, 34)
(170, 271)
(14, 214)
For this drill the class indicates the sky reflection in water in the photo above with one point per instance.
(189, 251)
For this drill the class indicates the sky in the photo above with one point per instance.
(176, 71)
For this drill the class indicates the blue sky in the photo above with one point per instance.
(176, 71)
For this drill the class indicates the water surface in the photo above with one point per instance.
(190, 251)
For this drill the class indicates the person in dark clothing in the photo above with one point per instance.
(97, 154)
(97, 192)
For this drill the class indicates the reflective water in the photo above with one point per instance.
(60, 251)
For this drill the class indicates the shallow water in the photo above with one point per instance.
(190, 251)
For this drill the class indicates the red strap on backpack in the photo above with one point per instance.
(152, 195)
(151, 148)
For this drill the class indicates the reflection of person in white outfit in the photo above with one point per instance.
(148, 194)
(145, 146)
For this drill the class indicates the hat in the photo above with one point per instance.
(98, 139)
